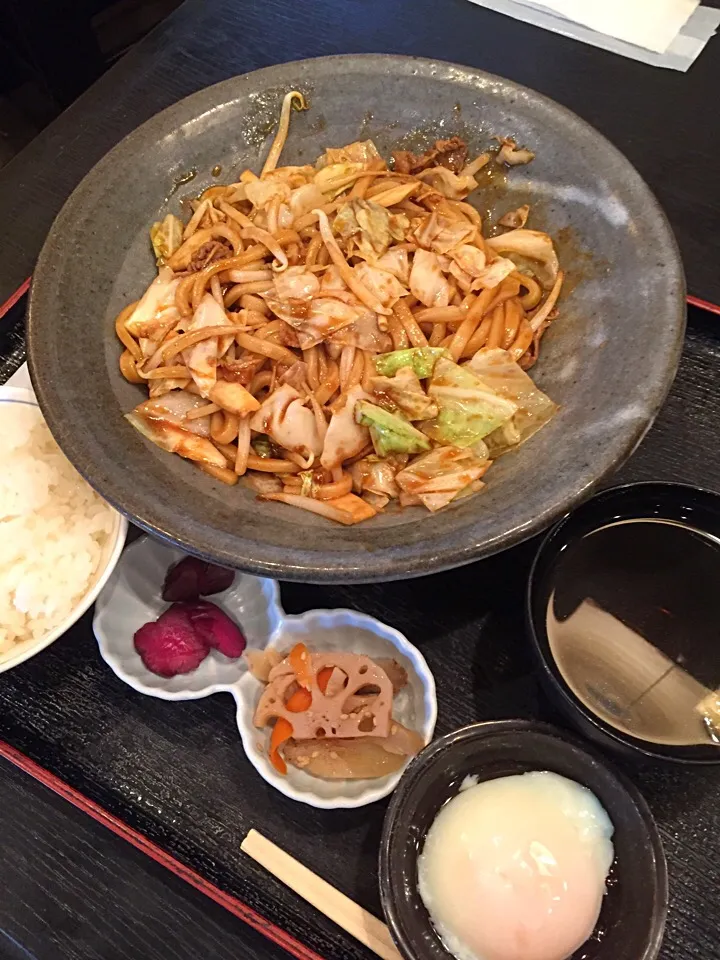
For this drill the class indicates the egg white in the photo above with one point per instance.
(515, 868)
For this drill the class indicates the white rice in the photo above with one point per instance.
(53, 528)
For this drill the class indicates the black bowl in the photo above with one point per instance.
(690, 506)
(633, 914)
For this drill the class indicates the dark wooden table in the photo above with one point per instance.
(69, 889)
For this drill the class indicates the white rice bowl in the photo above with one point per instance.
(58, 539)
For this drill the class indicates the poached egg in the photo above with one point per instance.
(515, 868)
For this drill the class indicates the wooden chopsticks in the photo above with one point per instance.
(320, 894)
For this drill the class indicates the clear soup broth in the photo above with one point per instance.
(633, 623)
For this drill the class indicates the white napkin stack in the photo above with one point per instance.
(664, 33)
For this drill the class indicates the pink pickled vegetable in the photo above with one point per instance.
(171, 645)
(192, 578)
(215, 628)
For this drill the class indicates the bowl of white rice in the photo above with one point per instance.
(59, 541)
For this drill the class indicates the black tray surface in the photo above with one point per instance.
(176, 772)
(70, 890)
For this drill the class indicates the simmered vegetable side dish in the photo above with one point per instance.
(331, 713)
(344, 336)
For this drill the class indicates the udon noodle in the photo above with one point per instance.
(346, 336)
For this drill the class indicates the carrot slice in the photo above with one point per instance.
(302, 665)
(323, 678)
(299, 701)
(281, 732)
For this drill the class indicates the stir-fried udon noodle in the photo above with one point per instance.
(345, 336)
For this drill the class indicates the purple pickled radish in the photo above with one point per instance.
(192, 578)
(215, 628)
(215, 579)
(182, 581)
(171, 645)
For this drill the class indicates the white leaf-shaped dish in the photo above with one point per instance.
(132, 598)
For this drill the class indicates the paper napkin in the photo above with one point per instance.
(664, 33)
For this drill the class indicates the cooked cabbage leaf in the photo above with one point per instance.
(421, 359)
(531, 244)
(468, 410)
(441, 234)
(260, 193)
(166, 237)
(405, 391)
(381, 283)
(360, 151)
(159, 421)
(389, 432)
(498, 370)
(375, 475)
(396, 262)
(440, 476)
(373, 226)
(427, 281)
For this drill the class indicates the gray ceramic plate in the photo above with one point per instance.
(609, 360)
